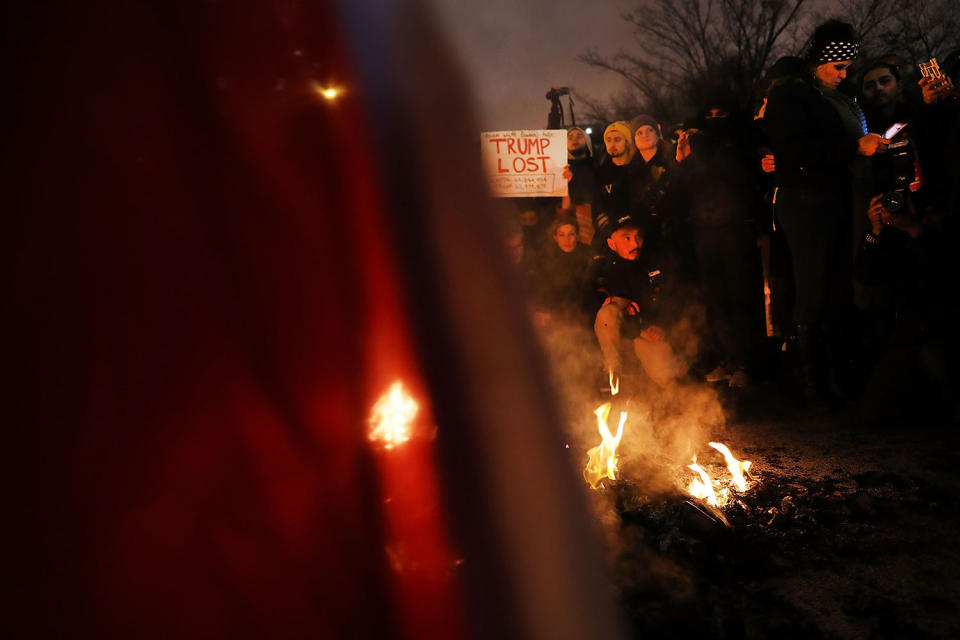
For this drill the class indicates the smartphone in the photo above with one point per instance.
(930, 69)
(894, 130)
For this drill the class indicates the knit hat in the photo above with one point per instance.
(620, 126)
(833, 41)
(641, 120)
(589, 144)
(783, 69)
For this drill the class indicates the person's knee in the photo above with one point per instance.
(609, 316)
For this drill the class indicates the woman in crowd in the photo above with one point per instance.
(816, 135)
(561, 275)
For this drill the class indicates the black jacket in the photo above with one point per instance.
(582, 185)
(715, 187)
(560, 281)
(921, 276)
(811, 147)
(637, 280)
(612, 198)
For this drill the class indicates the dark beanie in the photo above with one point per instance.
(641, 120)
(833, 41)
(785, 67)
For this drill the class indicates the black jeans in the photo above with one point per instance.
(817, 227)
(731, 278)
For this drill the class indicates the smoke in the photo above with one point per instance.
(666, 425)
(665, 428)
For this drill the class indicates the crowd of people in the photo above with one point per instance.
(815, 237)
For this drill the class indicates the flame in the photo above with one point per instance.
(391, 417)
(614, 385)
(602, 459)
(736, 467)
(702, 487)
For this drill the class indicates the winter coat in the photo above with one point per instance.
(812, 148)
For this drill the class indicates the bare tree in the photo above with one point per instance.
(917, 30)
(686, 47)
(868, 18)
(922, 29)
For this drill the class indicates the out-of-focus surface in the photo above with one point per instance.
(214, 272)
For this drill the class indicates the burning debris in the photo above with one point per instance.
(602, 460)
(703, 487)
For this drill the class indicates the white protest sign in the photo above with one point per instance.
(522, 164)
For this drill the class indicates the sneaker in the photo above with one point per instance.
(739, 379)
(719, 373)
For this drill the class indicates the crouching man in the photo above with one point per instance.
(630, 283)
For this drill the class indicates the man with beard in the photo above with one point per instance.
(883, 102)
(631, 283)
(612, 197)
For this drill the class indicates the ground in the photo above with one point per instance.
(850, 532)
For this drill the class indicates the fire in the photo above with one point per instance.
(736, 467)
(602, 459)
(392, 416)
(702, 487)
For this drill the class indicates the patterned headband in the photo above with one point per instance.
(838, 51)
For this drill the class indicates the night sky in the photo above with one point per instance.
(513, 52)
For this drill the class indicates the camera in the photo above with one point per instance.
(894, 201)
(556, 92)
(895, 173)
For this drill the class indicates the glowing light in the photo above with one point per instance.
(588, 131)
(614, 385)
(602, 459)
(391, 417)
(328, 93)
